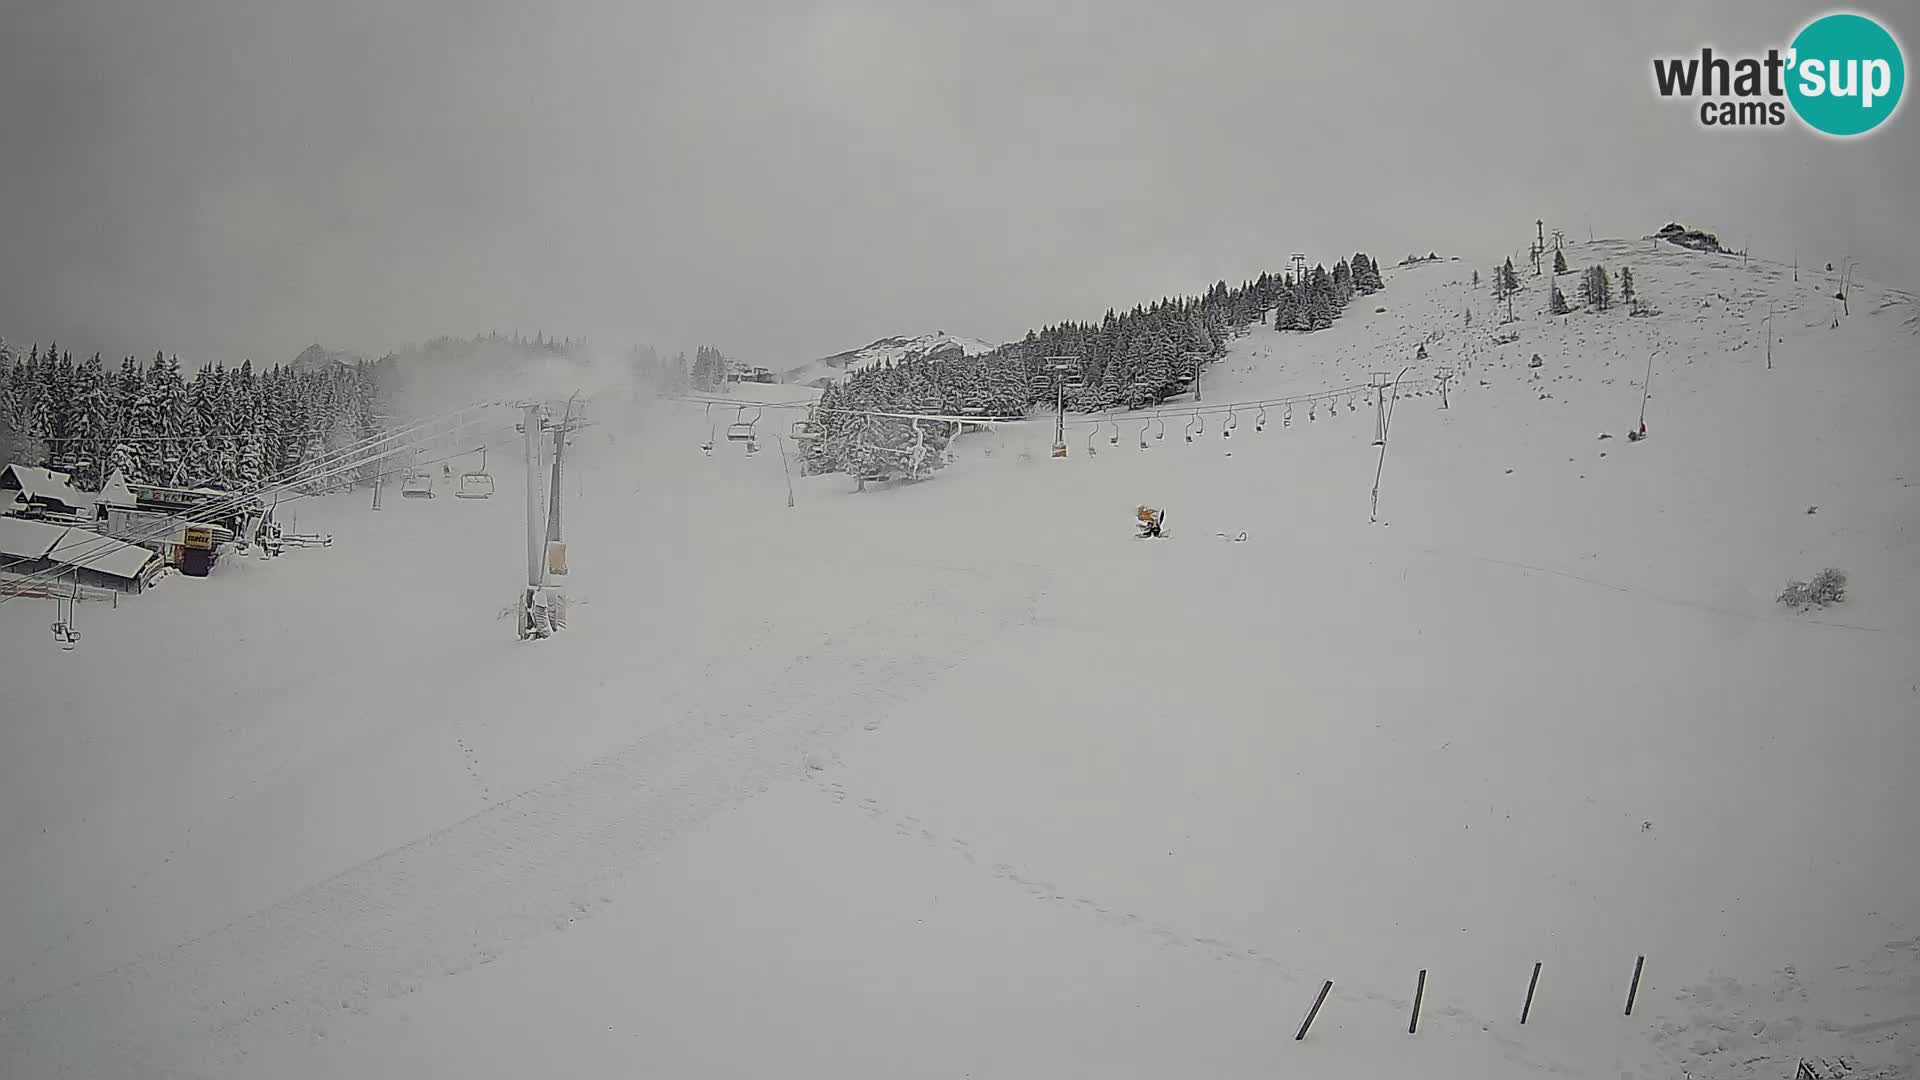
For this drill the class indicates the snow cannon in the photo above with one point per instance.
(1148, 520)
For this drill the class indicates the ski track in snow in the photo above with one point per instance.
(909, 827)
(530, 865)
(1729, 1029)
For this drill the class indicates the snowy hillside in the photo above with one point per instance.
(934, 345)
(959, 778)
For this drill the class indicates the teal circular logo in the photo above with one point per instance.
(1846, 75)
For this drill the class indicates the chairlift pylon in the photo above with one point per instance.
(64, 611)
(477, 484)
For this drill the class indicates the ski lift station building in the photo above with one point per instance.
(70, 553)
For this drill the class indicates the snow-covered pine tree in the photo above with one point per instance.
(1363, 272)
(93, 425)
(147, 428)
(1287, 306)
(11, 444)
(1321, 308)
(1557, 303)
(1595, 288)
(1626, 285)
(33, 423)
(128, 386)
(200, 450)
(177, 416)
(1559, 261)
(123, 460)
(1476, 279)
(62, 423)
(1509, 281)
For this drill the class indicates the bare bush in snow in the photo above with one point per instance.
(1829, 586)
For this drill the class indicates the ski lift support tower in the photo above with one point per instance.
(1062, 367)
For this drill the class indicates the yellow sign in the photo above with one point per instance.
(199, 536)
(556, 558)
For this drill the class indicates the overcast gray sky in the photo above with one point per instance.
(232, 178)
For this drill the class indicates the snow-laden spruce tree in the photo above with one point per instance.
(1594, 288)
(1559, 261)
(1557, 304)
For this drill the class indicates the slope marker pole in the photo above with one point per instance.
(1531, 983)
(1313, 1012)
(1634, 989)
(1419, 992)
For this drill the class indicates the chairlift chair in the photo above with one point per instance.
(1260, 422)
(1091, 450)
(1233, 421)
(1160, 432)
(1286, 418)
(707, 447)
(740, 430)
(477, 484)
(1114, 439)
(417, 484)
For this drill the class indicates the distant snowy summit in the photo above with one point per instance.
(315, 359)
(937, 345)
(1675, 233)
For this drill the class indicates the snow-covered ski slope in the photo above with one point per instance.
(958, 778)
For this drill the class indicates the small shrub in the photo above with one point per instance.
(1829, 586)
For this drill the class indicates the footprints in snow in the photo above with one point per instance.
(473, 768)
(910, 827)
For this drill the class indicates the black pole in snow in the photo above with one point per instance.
(1313, 1012)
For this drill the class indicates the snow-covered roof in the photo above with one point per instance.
(115, 491)
(45, 485)
(31, 540)
(24, 539)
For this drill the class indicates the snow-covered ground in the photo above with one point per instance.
(960, 779)
(887, 350)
